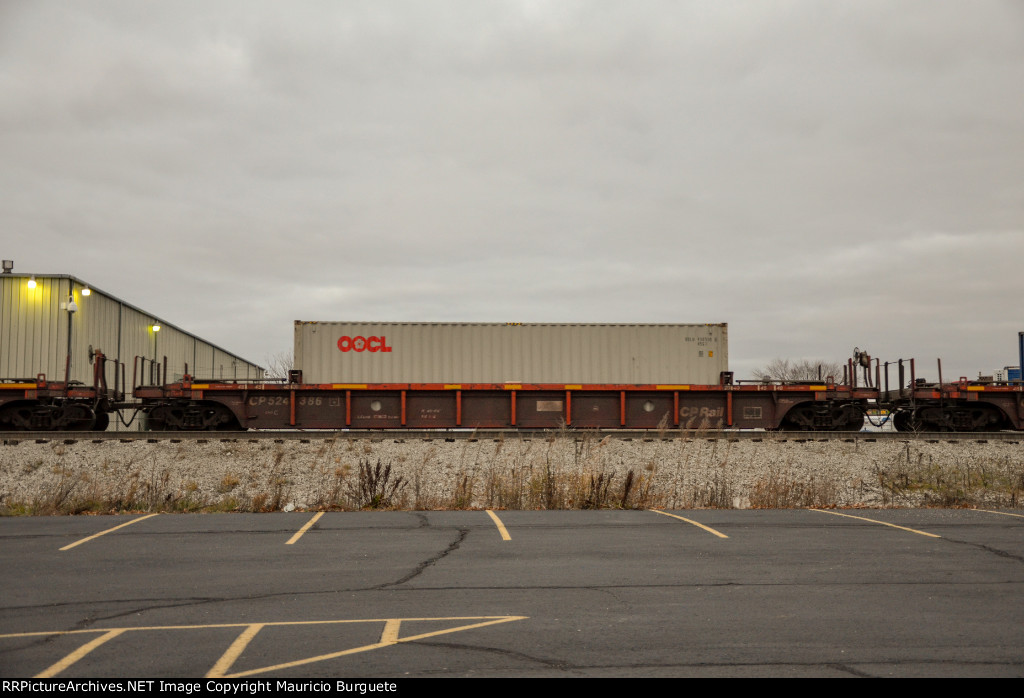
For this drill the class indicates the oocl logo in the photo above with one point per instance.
(371, 344)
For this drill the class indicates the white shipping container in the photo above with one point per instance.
(379, 352)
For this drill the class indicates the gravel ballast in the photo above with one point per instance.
(518, 472)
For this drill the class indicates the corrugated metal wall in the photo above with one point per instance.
(34, 335)
(30, 334)
(358, 352)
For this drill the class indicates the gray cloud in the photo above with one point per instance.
(818, 175)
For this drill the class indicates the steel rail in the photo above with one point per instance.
(9, 437)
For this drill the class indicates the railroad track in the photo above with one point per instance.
(14, 437)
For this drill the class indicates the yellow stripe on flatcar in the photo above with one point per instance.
(19, 386)
(817, 387)
(200, 386)
(672, 387)
(509, 386)
(975, 387)
(573, 387)
(452, 387)
(348, 386)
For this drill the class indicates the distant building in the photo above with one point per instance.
(45, 318)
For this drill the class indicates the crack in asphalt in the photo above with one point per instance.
(561, 665)
(609, 591)
(88, 621)
(987, 549)
(846, 668)
(452, 547)
(851, 668)
(156, 607)
(606, 588)
(91, 620)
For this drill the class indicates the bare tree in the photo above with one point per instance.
(278, 364)
(799, 370)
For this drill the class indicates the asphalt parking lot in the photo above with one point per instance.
(908, 592)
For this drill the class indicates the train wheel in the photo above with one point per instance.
(76, 417)
(185, 416)
(102, 421)
(16, 418)
(933, 419)
(981, 418)
(207, 417)
(227, 420)
(156, 419)
(961, 418)
(848, 418)
(800, 418)
(903, 420)
(823, 417)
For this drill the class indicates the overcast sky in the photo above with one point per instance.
(819, 175)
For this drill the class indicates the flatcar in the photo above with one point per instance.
(232, 405)
(193, 404)
(41, 404)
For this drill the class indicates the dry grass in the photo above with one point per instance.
(782, 490)
(557, 470)
(560, 470)
(916, 479)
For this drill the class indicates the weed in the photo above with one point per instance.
(783, 491)
(32, 467)
(463, 496)
(715, 492)
(597, 493)
(375, 488)
(225, 505)
(227, 483)
(627, 487)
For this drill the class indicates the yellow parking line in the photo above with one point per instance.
(698, 525)
(1004, 513)
(902, 528)
(78, 654)
(207, 626)
(237, 647)
(390, 633)
(388, 638)
(501, 527)
(309, 524)
(109, 530)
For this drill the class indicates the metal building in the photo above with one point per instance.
(47, 318)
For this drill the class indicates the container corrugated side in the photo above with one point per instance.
(375, 352)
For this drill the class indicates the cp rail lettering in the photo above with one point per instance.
(370, 344)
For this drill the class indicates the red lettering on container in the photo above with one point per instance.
(371, 344)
